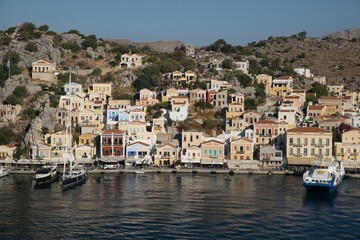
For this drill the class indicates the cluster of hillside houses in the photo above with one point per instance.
(116, 131)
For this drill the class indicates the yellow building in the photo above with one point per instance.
(307, 144)
(158, 125)
(85, 153)
(315, 111)
(7, 151)
(137, 115)
(122, 104)
(58, 142)
(179, 77)
(168, 93)
(166, 154)
(266, 80)
(241, 149)
(102, 88)
(281, 86)
(87, 139)
(123, 125)
(236, 106)
(129, 60)
(191, 139)
(268, 132)
(234, 110)
(235, 124)
(341, 103)
(349, 147)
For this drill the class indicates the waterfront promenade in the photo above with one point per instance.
(188, 171)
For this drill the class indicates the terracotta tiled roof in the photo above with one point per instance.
(113, 131)
(283, 78)
(316, 107)
(307, 130)
(10, 145)
(266, 122)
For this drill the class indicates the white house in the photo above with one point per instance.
(243, 66)
(355, 121)
(303, 72)
(191, 155)
(73, 89)
(179, 108)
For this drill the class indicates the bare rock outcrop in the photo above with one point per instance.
(10, 86)
(347, 34)
(46, 119)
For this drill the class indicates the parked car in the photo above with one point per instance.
(110, 166)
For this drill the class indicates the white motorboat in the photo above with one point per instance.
(324, 176)
(46, 175)
(3, 172)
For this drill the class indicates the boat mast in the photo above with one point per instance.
(68, 132)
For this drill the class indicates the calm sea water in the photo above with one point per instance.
(177, 206)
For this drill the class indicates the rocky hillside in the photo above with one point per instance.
(336, 59)
(157, 46)
(347, 34)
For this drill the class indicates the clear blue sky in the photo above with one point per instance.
(198, 22)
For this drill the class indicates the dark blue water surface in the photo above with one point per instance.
(177, 206)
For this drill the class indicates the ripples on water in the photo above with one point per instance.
(175, 206)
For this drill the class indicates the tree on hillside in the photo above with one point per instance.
(319, 89)
(227, 64)
(13, 56)
(74, 31)
(4, 72)
(302, 34)
(6, 135)
(244, 79)
(90, 41)
(44, 28)
(142, 82)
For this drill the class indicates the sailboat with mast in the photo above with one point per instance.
(75, 174)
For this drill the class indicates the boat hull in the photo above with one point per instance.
(73, 181)
(47, 179)
(324, 187)
(3, 174)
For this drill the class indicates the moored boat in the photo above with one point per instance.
(324, 176)
(3, 172)
(75, 174)
(46, 175)
(73, 177)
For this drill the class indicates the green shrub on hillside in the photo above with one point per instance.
(73, 47)
(5, 40)
(90, 41)
(17, 97)
(31, 113)
(6, 135)
(44, 28)
(74, 31)
(4, 72)
(31, 47)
